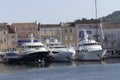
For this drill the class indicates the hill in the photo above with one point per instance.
(113, 18)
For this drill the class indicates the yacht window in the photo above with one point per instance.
(36, 46)
(59, 47)
(80, 45)
(84, 44)
(33, 46)
(90, 44)
(30, 47)
(95, 43)
(50, 47)
(22, 46)
(41, 46)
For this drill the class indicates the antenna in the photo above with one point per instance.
(32, 37)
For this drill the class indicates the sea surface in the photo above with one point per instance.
(76, 70)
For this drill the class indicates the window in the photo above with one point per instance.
(34, 34)
(13, 42)
(65, 30)
(45, 31)
(5, 40)
(18, 35)
(12, 36)
(71, 38)
(18, 28)
(89, 32)
(1, 41)
(5, 33)
(70, 30)
(96, 26)
(81, 33)
(25, 28)
(35, 28)
(58, 31)
(66, 38)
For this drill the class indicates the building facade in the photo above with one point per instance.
(47, 31)
(24, 30)
(12, 39)
(3, 37)
(69, 34)
(92, 27)
(112, 36)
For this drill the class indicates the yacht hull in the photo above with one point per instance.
(61, 57)
(11, 60)
(35, 57)
(96, 55)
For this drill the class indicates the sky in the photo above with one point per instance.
(54, 11)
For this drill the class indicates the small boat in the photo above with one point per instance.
(12, 57)
(58, 51)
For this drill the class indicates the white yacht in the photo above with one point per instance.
(34, 51)
(58, 51)
(88, 50)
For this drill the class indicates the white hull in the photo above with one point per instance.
(96, 55)
(61, 56)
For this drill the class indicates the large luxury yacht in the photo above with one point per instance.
(34, 51)
(58, 51)
(88, 50)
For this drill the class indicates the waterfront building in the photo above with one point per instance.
(47, 31)
(23, 31)
(69, 34)
(112, 36)
(3, 36)
(12, 38)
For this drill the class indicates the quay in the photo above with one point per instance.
(112, 53)
(1, 55)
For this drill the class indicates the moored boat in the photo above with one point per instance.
(34, 51)
(58, 51)
(88, 50)
(11, 57)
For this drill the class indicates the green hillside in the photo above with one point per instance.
(113, 18)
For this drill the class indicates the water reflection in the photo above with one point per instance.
(80, 63)
(14, 68)
(111, 61)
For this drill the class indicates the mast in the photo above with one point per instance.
(96, 21)
(102, 33)
(39, 32)
(96, 8)
(101, 30)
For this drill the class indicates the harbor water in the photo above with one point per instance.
(76, 70)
